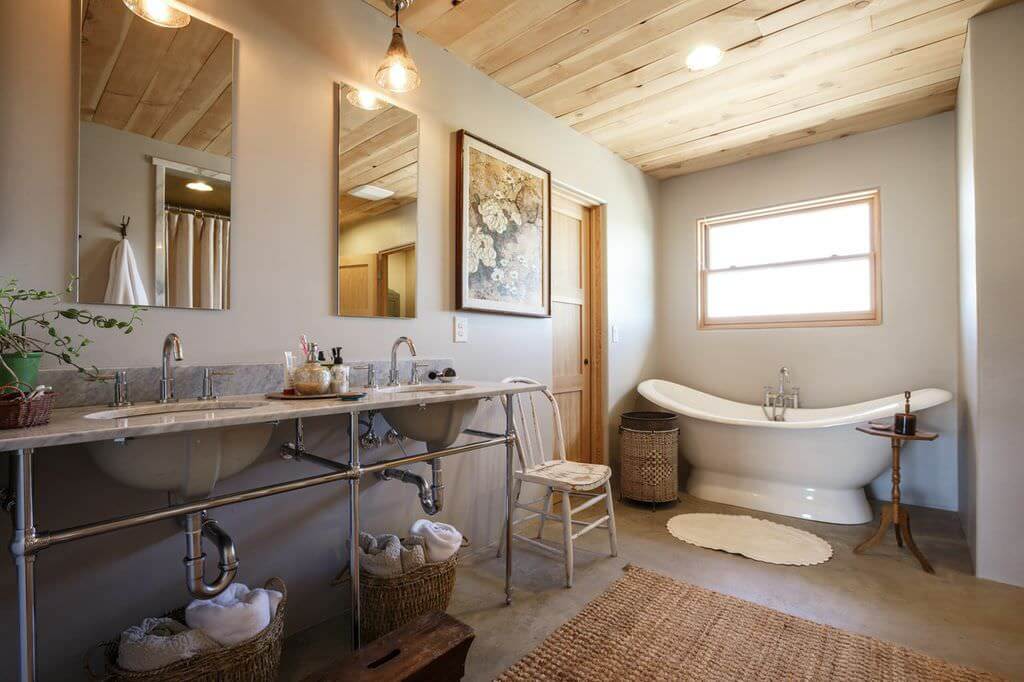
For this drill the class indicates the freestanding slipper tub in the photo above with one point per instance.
(814, 465)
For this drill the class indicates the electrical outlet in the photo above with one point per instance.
(461, 330)
(616, 337)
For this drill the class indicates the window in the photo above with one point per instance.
(815, 263)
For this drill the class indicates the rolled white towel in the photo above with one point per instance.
(158, 642)
(234, 615)
(441, 539)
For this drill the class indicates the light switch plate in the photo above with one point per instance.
(461, 330)
(615, 334)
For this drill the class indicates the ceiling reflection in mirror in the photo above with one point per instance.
(378, 182)
(154, 179)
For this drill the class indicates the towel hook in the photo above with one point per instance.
(125, 220)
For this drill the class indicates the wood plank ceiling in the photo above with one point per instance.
(172, 85)
(379, 148)
(793, 74)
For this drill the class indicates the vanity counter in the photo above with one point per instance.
(71, 425)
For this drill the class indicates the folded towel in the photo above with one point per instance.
(158, 642)
(441, 539)
(234, 615)
(386, 556)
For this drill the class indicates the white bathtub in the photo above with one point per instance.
(813, 465)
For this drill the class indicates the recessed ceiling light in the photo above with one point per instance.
(703, 57)
(364, 99)
(199, 186)
(371, 192)
(159, 12)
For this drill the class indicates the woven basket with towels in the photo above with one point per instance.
(256, 659)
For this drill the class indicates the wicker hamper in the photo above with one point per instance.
(389, 603)
(253, 660)
(650, 457)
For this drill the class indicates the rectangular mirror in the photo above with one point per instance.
(154, 167)
(378, 182)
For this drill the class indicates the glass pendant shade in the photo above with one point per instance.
(158, 12)
(364, 99)
(398, 72)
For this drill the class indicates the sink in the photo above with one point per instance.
(188, 464)
(436, 424)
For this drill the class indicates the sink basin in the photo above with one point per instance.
(188, 464)
(436, 424)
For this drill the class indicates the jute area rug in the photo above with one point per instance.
(649, 627)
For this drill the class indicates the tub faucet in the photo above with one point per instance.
(780, 399)
(393, 372)
(172, 348)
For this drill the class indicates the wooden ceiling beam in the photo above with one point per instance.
(515, 19)
(201, 94)
(104, 29)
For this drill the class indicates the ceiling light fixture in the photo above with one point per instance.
(398, 72)
(159, 12)
(200, 186)
(371, 192)
(365, 99)
(703, 57)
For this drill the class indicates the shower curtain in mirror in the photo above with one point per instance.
(198, 267)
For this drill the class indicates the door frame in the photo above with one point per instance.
(598, 302)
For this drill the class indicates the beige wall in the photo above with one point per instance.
(284, 182)
(915, 347)
(992, 330)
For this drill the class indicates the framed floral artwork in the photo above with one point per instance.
(502, 231)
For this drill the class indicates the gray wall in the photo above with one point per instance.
(914, 347)
(991, 145)
(284, 283)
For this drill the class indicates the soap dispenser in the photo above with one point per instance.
(312, 378)
(339, 372)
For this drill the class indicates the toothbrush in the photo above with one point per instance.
(304, 342)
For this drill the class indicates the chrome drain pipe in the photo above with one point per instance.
(431, 495)
(198, 525)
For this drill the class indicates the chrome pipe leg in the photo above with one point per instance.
(510, 429)
(353, 526)
(24, 561)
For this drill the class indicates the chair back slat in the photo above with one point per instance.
(530, 444)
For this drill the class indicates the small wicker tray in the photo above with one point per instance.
(17, 413)
(253, 660)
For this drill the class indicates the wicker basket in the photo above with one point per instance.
(389, 603)
(253, 660)
(650, 457)
(17, 413)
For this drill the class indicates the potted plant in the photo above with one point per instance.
(26, 337)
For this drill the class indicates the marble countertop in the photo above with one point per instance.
(71, 425)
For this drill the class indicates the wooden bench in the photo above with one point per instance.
(431, 648)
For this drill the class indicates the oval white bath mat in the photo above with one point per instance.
(756, 539)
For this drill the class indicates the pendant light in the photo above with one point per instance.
(159, 12)
(365, 99)
(398, 72)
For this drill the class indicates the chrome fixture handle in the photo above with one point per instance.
(393, 373)
(208, 375)
(121, 398)
(414, 375)
(172, 348)
(371, 374)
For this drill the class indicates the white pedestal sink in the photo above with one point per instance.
(186, 464)
(436, 424)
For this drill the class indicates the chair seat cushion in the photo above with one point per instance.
(564, 475)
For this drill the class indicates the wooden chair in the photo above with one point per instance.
(558, 476)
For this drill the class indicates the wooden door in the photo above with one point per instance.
(571, 323)
(357, 285)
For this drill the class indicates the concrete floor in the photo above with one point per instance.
(885, 594)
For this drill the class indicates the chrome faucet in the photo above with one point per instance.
(393, 372)
(780, 400)
(172, 346)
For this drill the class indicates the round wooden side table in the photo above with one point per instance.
(893, 514)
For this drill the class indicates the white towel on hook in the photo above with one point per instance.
(234, 615)
(441, 539)
(124, 283)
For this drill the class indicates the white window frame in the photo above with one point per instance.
(836, 319)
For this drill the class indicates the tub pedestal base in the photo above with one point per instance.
(846, 506)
